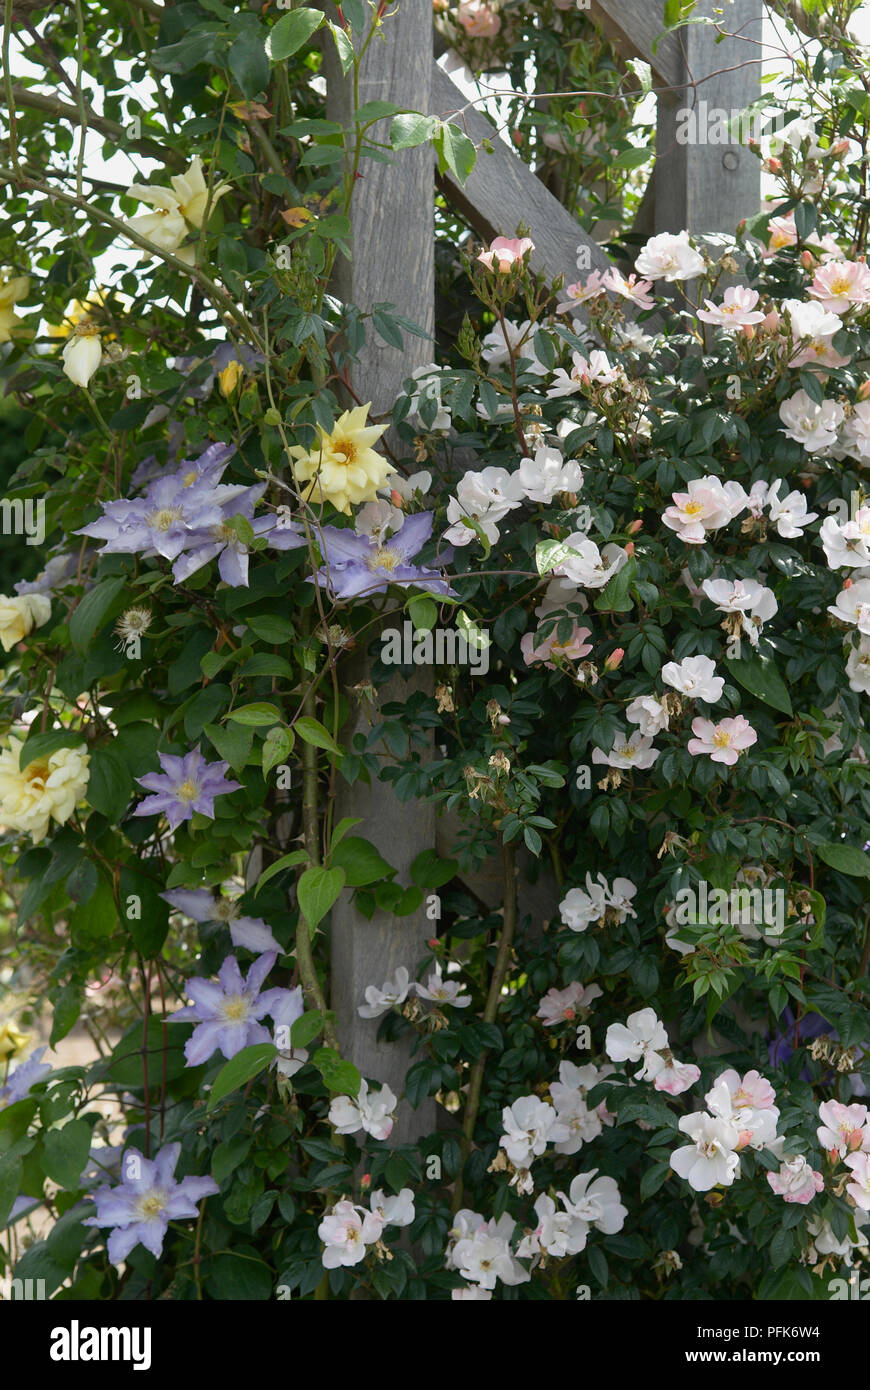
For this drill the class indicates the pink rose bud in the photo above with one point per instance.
(770, 322)
(807, 260)
(629, 548)
(847, 583)
(855, 1140)
(615, 659)
(397, 499)
(748, 330)
(635, 526)
(365, 1180)
(775, 166)
(864, 390)
(518, 137)
(432, 943)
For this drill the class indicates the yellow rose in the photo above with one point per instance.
(12, 1041)
(343, 468)
(19, 615)
(82, 354)
(191, 192)
(49, 788)
(10, 293)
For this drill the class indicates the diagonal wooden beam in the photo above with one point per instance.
(634, 26)
(502, 191)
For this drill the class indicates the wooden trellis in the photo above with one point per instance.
(703, 187)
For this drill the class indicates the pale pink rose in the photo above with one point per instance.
(676, 1077)
(579, 292)
(737, 308)
(632, 288)
(782, 232)
(562, 1005)
(722, 742)
(753, 1092)
(843, 1128)
(505, 252)
(477, 19)
(574, 649)
(859, 1188)
(840, 284)
(796, 1181)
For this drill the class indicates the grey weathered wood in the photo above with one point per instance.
(393, 262)
(701, 186)
(634, 26)
(502, 191)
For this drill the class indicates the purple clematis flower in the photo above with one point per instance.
(174, 507)
(221, 540)
(228, 1012)
(185, 785)
(142, 1205)
(357, 565)
(25, 1075)
(252, 933)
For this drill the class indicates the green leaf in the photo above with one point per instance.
(144, 913)
(66, 1153)
(90, 614)
(760, 677)
(361, 861)
(344, 46)
(110, 785)
(233, 744)
(297, 856)
(411, 128)
(846, 859)
(306, 1028)
(248, 63)
(277, 747)
(317, 890)
(271, 628)
(455, 152)
(428, 871)
(239, 1278)
(616, 598)
(312, 731)
(240, 1070)
(291, 32)
(345, 825)
(10, 1183)
(338, 1075)
(255, 716)
(423, 613)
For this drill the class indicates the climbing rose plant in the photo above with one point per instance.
(637, 498)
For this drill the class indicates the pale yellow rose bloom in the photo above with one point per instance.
(10, 292)
(12, 1041)
(191, 191)
(82, 354)
(343, 468)
(47, 789)
(19, 615)
(165, 226)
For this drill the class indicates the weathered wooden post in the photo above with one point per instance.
(393, 262)
(704, 184)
